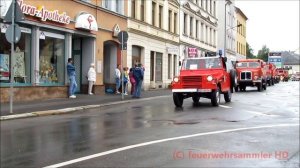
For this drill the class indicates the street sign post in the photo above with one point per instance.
(123, 38)
(13, 35)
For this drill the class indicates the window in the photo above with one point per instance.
(133, 8)
(201, 3)
(52, 60)
(214, 11)
(174, 65)
(206, 4)
(197, 31)
(191, 26)
(169, 66)
(185, 23)
(153, 13)
(170, 20)
(105, 4)
(160, 16)
(143, 10)
(22, 59)
(202, 30)
(175, 23)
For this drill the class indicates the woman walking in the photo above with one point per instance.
(91, 78)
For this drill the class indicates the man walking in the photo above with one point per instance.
(71, 74)
(138, 73)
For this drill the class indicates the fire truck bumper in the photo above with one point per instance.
(191, 90)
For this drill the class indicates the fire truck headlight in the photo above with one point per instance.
(209, 78)
(175, 79)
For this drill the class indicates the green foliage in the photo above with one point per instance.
(263, 53)
(249, 52)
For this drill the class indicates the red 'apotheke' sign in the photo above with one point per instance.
(192, 52)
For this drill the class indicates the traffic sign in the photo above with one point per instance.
(9, 33)
(123, 36)
(19, 16)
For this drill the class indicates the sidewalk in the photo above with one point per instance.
(81, 100)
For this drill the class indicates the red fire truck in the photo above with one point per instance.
(251, 72)
(206, 77)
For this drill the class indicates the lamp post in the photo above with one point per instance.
(228, 2)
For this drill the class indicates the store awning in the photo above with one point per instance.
(86, 21)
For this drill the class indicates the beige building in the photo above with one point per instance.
(153, 28)
(241, 34)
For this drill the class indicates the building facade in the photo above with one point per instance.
(198, 27)
(241, 34)
(153, 28)
(227, 28)
(51, 33)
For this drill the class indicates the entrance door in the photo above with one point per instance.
(77, 57)
(158, 67)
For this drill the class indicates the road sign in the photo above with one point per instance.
(17, 33)
(19, 16)
(123, 35)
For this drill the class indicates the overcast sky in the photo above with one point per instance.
(274, 23)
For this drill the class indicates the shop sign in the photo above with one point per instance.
(172, 50)
(86, 21)
(192, 52)
(44, 14)
(116, 30)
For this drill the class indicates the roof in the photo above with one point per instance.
(238, 10)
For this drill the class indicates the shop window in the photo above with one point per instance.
(21, 57)
(52, 61)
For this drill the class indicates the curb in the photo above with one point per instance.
(72, 109)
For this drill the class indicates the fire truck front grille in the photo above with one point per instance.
(246, 76)
(192, 81)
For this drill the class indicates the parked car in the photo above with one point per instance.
(206, 77)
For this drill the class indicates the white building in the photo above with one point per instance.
(227, 28)
(154, 40)
(198, 27)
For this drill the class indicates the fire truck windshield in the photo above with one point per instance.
(248, 65)
(201, 63)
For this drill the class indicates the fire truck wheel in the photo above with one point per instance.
(227, 96)
(265, 86)
(259, 87)
(272, 82)
(215, 97)
(236, 89)
(233, 79)
(178, 99)
(196, 99)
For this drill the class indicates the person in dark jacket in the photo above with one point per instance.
(138, 73)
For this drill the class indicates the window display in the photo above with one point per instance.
(22, 59)
(51, 61)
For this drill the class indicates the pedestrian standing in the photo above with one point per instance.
(118, 78)
(132, 81)
(125, 80)
(72, 77)
(138, 73)
(91, 78)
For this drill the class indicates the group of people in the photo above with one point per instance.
(135, 76)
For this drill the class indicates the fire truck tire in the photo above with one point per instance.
(259, 87)
(233, 80)
(265, 86)
(196, 99)
(227, 96)
(178, 99)
(215, 97)
(236, 89)
(272, 81)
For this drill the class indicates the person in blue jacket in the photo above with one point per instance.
(72, 75)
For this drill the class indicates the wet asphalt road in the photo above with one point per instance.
(45, 141)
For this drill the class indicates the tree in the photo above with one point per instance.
(263, 53)
(249, 52)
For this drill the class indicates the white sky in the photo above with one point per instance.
(274, 23)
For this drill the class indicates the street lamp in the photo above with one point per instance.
(228, 2)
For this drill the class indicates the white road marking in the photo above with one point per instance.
(160, 141)
(263, 114)
(225, 106)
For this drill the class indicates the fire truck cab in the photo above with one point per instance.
(251, 72)
(206, 77)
